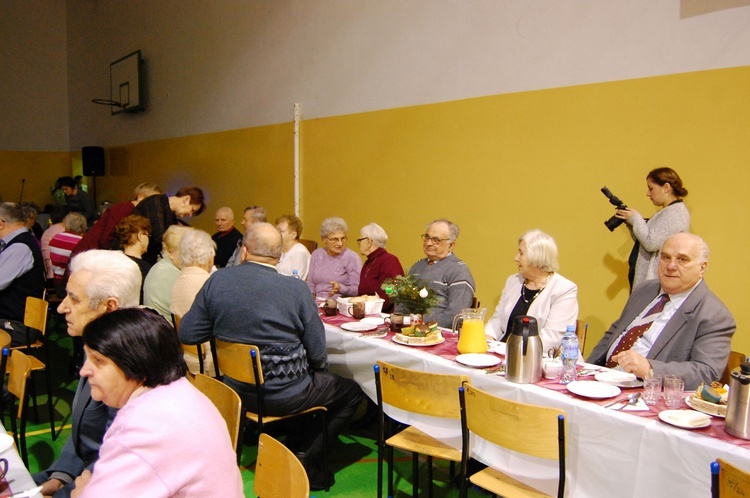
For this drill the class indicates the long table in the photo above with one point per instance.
(609, 453)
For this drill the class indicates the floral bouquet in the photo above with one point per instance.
(410, 294)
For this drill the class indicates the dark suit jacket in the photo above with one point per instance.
(695, 343)
(91, 419)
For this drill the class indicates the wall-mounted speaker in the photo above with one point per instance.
(93, 161)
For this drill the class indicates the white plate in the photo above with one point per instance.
(593, 389)
(700, 409)
(497, 347)
(478, 360)
(397, 341)
(685, 419)
(6, 441)
(358, 326)
(373, 320)
(617, 378)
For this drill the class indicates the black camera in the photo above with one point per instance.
(614, 221)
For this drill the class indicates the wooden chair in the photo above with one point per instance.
(196, 349)
(35, 317)
(18, 366)
(728, 481)
(226, 401)
(417, 392)
(5, 340)
(532, 430)
(311, 245)
(582, 329)
(735, 360)
(278, 472)
(242, 363)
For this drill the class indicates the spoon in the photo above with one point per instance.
(632, 399)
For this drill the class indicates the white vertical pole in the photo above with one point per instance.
(296, 158)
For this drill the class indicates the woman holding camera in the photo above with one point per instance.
(666, 191)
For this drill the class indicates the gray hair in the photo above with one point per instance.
(453, 230)
(75, 223)
(332, 224)
(12, 213)
(258, 214)
(197, 248)
(170, 241)
(262, 239)
(541, 250)
(703, 251)
(375, 232)
(113, 275)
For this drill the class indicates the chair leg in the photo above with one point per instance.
(415, 475)
(429, 476)
(390, 471)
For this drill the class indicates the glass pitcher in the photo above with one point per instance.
(471, 339)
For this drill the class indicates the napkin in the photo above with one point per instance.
(689, 418)
(640, 406)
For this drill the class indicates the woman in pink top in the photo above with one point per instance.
(168, 439)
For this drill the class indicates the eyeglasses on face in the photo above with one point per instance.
(339, 240)
(363, 238)
(434, 240)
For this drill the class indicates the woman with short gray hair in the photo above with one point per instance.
(334, 269)
(380, 264)
(536, 290)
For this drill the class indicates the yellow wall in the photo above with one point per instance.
(497, 166)
(40, 169)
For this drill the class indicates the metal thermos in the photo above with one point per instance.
(523, 353)
(737, 422)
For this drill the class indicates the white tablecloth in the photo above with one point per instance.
(18, 475)
(609, 454)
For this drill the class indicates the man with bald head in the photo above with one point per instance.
(253, 304)
(673, 325)
(227, 237)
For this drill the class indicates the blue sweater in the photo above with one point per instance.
(253, 304)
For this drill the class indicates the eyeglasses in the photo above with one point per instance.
(434, 240)
(339, 240)
(363, 238)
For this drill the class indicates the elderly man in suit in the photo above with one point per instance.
(673, 325)
(100, 282)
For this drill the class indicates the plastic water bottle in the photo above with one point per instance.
(295, 274)
(569, 355)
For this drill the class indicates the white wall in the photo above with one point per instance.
(228, 64)
(33, 76)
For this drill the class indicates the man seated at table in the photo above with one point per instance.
(253, 214)
(279, 315)
(227, 237)
(100, 281)
(673, 325)
(448, 276)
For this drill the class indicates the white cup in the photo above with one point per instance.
(552, 368)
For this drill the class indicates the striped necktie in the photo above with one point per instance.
(635, 332)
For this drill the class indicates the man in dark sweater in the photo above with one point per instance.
(253, 304)
(227, 237)
(21, 272)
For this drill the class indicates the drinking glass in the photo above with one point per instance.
(674, 387)
(652, 390)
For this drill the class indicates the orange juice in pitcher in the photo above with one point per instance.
(471, 338)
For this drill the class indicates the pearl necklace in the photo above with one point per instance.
(541, 288)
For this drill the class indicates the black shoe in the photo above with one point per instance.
(320, 480)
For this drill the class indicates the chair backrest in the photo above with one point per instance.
(278, 472)
(235, 360)
(185, 347)
(582, 329)
(226, 401)
(529, 429)
(5, 339)
(35, 314)
(19, 369)
(311, 245)
(735, 360)
(419, 392)
(732, 481)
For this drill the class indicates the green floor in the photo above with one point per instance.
(354, 459)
